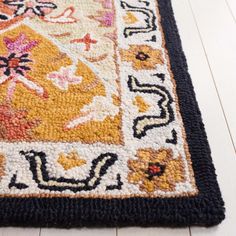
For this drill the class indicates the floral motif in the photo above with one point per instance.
(70, 160)
(64, 78)
(142, 57)
(106, 18)
(93, 134)
(130, 18)
(156, 170)
(20, 44)
(14, 124)
(31, 7)
(142, 105)
(15, 11)
(18, 58)
(15, 65)
(86, 40)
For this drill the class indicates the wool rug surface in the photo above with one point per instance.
(99, 125)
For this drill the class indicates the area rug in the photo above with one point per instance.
(99, 125)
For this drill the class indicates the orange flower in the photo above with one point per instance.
(143, 57)
(156, 170)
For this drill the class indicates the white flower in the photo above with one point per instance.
(100, 108)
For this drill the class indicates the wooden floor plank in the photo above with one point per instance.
(15, 231)
(232, 7)
(201, 59)
(218, 33)
(137, 231)
(78, 232)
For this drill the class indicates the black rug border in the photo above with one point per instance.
(205, 209)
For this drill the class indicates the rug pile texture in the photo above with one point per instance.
(99, 125)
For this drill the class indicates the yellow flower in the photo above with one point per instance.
(70, 160)
(156, 170)
(143, 57)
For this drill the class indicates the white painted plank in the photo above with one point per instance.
(232, 7)
(218, 32)
(15, 231)
(223, 152)
(78, 232)
(137, 231)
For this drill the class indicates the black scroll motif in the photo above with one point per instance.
(16, 184)
(99, 167)
(150, 20)
(174, 138)
(144, 123)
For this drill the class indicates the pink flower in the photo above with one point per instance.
(20, 44)
(63, 78)
(15, 66)
(17, 60)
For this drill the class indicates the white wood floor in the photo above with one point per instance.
(208, 32)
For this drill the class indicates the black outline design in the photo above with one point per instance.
(174, 137)
(145, 2)
(116, 186)
(20, 68)
(3, 17)
(166, 112)
(13, 183)
(153, 39)
(160, 76)
(150, 173)
(205, 209)
(150, 20)
(37, 161)
(37, 10)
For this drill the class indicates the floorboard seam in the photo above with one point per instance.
(213, 79)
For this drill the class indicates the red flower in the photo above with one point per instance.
(14, 124)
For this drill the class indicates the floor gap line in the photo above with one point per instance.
(230, 10)
(190, 232)
(213, 78)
